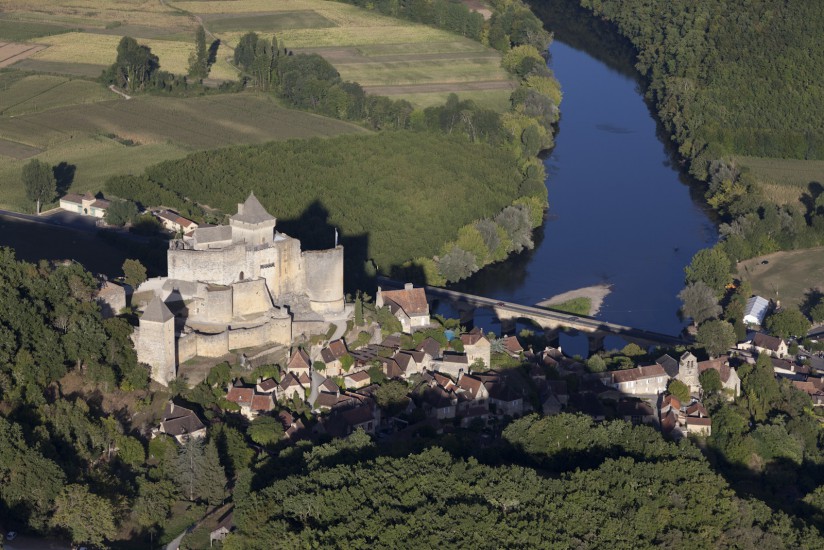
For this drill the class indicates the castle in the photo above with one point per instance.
(234, 286)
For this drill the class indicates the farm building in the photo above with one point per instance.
(87, 205)
(756, 310)
(174, 222)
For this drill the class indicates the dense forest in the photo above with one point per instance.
(558, 481)
(393, 197)
(729, 77)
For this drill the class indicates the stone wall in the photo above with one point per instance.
(250, 297)
(218, 305)
(213, 345)
(221, 266)
(324, 279)
(186, 347)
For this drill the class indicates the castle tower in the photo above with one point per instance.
(252, 224)
(156, 344)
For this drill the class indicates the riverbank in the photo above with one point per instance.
(594, 294)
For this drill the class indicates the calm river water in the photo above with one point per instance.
(620, 212)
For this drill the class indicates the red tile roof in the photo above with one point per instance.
(262, 402)
(241, 396)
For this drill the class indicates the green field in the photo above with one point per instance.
(90, 136)
(273, 22)
(787, 276)
(785, 180)
(18, 31)
(20, 95)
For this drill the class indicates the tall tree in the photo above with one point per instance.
(189, 462)
(199, 58)
(788, 322)
(715, 336)
(86, 516)
(699, 302)
(211, 477)
(38, 179)
(134, 272)
(710, 266)
(135, 65)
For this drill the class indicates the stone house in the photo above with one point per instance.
(181, 423)
(638, 381)
(262, 403)
(730, 382)
(477, 347)
(243, 398)
(356, 380)
(331, 356)
(473, 393)
(439, 403)
(512, 346)
(635, 411)
(174, 222)
(290, 385)
(504, 400)
(86, 205)
(453, 364)
(408, 305)
(299, 362)
(268, 386)
(814, 387)
(431, 349)
(225, 526)
(764, 343)
(412, 362)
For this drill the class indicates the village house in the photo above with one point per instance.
(174, 222)
(293, 428)
(730, 382)
(764, 343)
(814, 387)
(453, 364)
(299, 362)
(505, 400)
(649, 380)
(356, 380)
(181, 423)
(513, 346)
(86, 205)
(477, 347)
(408, 305)
(268, 386)
(679, 420)
(242, 397)
(225, 526)
(331, 356)
(291, 385)
(635, 411)
(755, 310)
(472, 393)
(412, 362)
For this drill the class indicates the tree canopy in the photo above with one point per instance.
(39, 182)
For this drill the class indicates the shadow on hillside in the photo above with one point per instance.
(316, 233)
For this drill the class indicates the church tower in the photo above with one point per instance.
(688, 372)
(156, 342)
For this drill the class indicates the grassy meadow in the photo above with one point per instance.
(785, 180)
(787, 276)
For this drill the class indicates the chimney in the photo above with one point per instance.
(407, 286)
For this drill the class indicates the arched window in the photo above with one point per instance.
(241, 276)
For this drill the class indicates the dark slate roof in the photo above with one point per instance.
(766, 341)
(157, 311)
(252, 211)
(213, 233)
(670, 365)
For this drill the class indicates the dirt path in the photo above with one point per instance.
(118, 92)
(596, 294)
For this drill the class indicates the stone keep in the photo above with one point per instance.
(236, 286)
(156, 341)
(688, 372)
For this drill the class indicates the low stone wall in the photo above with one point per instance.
(186, 347)
(213, 345)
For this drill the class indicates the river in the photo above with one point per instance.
(621, 213)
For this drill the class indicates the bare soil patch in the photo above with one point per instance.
(12, 52)
(596, 295)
